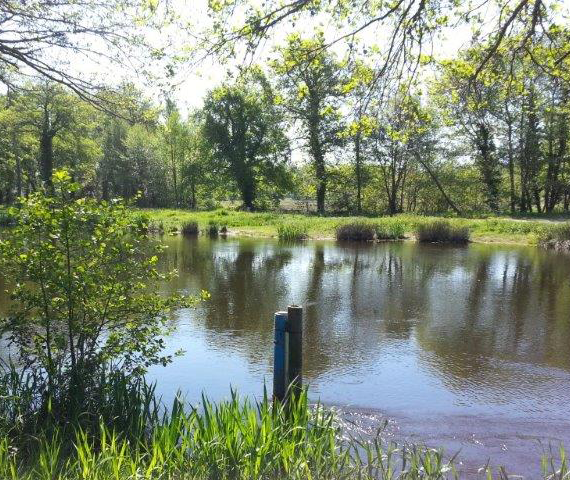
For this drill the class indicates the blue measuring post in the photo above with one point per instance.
(280, 363)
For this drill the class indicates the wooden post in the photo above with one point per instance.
(295, 347)
(280, 363)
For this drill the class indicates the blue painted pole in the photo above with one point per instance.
(280, 361)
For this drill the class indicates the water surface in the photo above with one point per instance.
(463, 347)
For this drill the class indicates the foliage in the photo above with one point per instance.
(7, 219)
(213, 229)
(190, 229)
(557, 237)
(358, 232)
(441, 231)
(389, 231)
(81, 302)
(133, 436)
(311, 79)
(243, 132)
(292, 232)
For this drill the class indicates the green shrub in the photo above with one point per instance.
(356, 232)
(80, 277)
(142, 222)
(213, 229)
(556, 237)
(7, 219)
(190, 229)
(441, 231)
(292, 232)
(389, 231)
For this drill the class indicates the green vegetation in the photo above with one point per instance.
(80, 272)
(266, 224)
(393, 230)
(188, 229)
(213, 229)
(557, 238)
(291, 232)
(356, 232)
(6, 219)
(127, 434)
(441, 231)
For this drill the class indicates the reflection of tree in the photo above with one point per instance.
(504, 310)
(468, 309)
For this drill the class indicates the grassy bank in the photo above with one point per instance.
(133, 437)
(267, 224)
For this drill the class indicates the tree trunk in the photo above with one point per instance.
(46, 157)
(437, 183)
(358, 166)
(511, 160)
(174, 177)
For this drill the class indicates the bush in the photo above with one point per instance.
(142, 222)
(357, 232)
(292, 232)
(441, 231)
(155, 227)
(556, 237)
(213, 229)
(81, 275)
(7, 219)
(389, 231)
(190, 229)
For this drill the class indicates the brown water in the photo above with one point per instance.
(467, 348)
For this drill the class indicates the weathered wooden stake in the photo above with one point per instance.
(295, 347)
(280, 363)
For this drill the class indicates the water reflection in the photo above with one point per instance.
(395, 326)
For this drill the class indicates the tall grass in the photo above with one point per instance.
(190, 229)
(442, 231)
(356, 232)
(292, 232)
(132, 437)
(556, 237)
(213, 229)
(390, 230)
(129, 435)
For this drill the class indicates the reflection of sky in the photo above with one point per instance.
(396, 327)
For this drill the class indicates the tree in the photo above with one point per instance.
(175, 138)
(473, 107)
(312, 80)
(81, 299)
(243, 131)
(36, 34)
(409, 27)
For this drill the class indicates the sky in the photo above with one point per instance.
(193, 83)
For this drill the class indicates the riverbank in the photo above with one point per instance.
(265, 224)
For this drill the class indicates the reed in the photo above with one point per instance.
(190, 228)
(127, 434)
(213, 229)
(292, 232)
(556, 237)
(356, 232)
(389, 230)
(441, 231)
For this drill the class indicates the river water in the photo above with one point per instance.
(467, 348)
